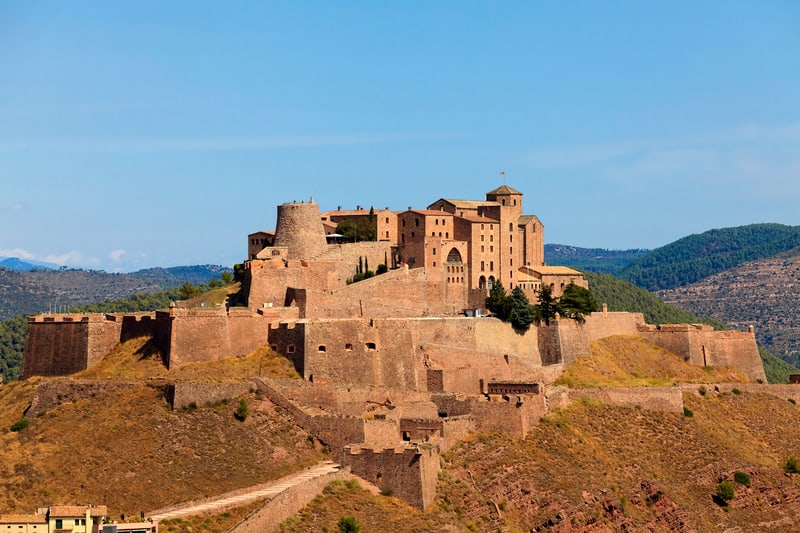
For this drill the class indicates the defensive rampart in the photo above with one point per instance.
(53, 393)
(700, 345)
(64, 344)
(410, 472)
(194, 335)
(400, 352)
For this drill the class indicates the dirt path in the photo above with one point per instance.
(241, 497)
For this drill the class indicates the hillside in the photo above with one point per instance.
(592, 259)
(762, 293)
(596, 467)
(40, 290)
(129, 450)
(696, 257)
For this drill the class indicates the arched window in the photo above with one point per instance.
(491, 283)
(482, 283)
(454, 256)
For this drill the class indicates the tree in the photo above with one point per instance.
(498, 301)
(576, 302)
(547, 306)
(521, 314)
(226, 277)
(725, 491)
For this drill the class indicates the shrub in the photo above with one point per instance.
(792, 466)
(348, 524)
(687, 412)
(702, 390)
(741, 478)
(243, 411)
(736, 391)
(725, 491)
(19, 425)
(792, 401)
(387, 491)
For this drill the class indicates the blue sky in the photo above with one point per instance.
(137, 134)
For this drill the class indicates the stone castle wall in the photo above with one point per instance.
(183, 394)
(65, 344)
(701, 345)
(194, 335)
(53, 393)
(399, 352)
(410, 472)
(299, 228)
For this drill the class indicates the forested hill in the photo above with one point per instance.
(594, 259)
(696, 257)
(40, 290)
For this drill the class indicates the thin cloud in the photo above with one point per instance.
(21, 253)
(116, 255)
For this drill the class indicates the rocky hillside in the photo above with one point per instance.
(764, 293)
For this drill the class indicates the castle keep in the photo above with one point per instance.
(395, 367)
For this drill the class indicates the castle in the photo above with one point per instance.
(395, 367)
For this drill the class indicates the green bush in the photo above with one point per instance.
(736, 391)
(348, 524)
(741, 478)
(687, 412)
(726, 491)
(702, 390)
(243, 411)
(792, 466)
(19, 425)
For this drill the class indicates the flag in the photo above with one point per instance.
(502, 173)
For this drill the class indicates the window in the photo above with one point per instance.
(416, 222)
(387, 220)
(59, 523)
(510, 238)
(387, 234)
(273, 347)
(322, 348)
(371, 346)
(434, 251)
(481, 248)
(404, 223)
(290, 348)
(491, 266)
(446, 234)
(481, 226)
(434, 263)
(504, 201)
(444, 222)
(403, 237)
(437, 221)
(482, 266)
(491, 248)
(511, 249)
(481, 238)
(511, 262)
(433, 234)
(491, 238)
(348, 347)
(510, 226)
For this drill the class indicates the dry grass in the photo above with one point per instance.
(629, 469)
(212, 299)
(373, 513)
(132, 453)
(631, 361)
(140, 359)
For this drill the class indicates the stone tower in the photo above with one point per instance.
(299, 228)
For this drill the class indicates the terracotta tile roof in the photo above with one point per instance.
(524, 219)
(504, 189)
(431, 212)
(556, 271)
(23, 519)
(468, 204)
(77, 510)
(476, 219)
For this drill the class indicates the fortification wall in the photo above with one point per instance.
(265, 282)
(53, 393)
(288, 503)
(183, 394)
(701, 345)
(195, 335)
(514, 415)
(399, 352)
(565, 339)
(402, 292)
(410, 472)
(668, 399)
(65, 344)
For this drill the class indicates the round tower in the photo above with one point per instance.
(299, 228)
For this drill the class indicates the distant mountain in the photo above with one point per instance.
(40, 290)
(593, 259)
(696, 257)
(15, 263)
